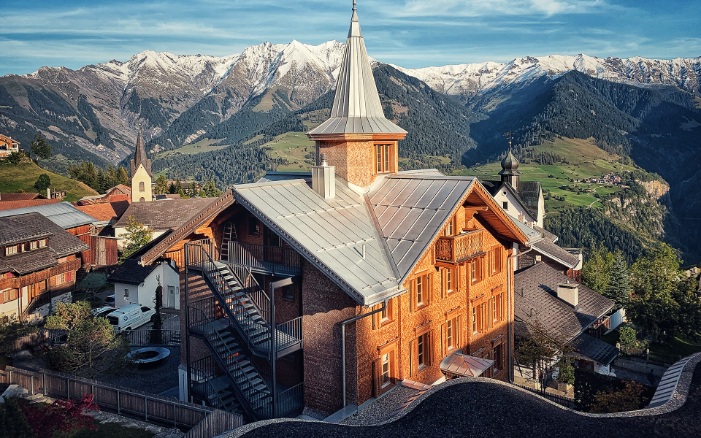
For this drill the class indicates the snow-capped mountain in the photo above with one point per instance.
(467, 80)
(101, 107)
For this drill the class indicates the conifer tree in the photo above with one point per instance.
(618, 288)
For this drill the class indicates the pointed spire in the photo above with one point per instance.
(140, 155)
(356, 107)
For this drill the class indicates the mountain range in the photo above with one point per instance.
(646, 109)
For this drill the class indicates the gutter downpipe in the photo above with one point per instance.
(343, 343)
(509, 294)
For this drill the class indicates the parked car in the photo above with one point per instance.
(102, 311)
(130, 317)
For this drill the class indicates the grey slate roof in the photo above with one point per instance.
(356, 105)
(131, 272)
(556, 253)
(164, 215)
(331, 234)
(62, 214)
(595, 349)
(411, 210)
(140, 156)
(529, 192)
(535, 298)
(35, 226)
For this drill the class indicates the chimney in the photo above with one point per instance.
(48, 193)
(569, 293)
(324, 179)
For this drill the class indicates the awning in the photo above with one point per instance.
(458, 364)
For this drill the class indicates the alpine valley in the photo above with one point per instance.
(214, 118)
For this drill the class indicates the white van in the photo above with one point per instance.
(130, 317)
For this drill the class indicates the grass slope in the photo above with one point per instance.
(21, 178)
(292, 147)
(580, 159)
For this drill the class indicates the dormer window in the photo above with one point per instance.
(11, 250)
(42, 243)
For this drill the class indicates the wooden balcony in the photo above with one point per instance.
(457, 249)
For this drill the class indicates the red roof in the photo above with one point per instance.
(18, 196)
(101, 212)
(11, 205)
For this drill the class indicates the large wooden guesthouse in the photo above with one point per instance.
(323, 290)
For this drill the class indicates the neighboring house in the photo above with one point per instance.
(12, 201)
(568, 311)
(523, 200)
(7, 146)
(323, 291)
(136, 284)
(161, 216)
(38, 264)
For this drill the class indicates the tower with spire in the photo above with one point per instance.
(357, 139)
(140, 167)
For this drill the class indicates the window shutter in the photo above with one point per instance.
(376, 373)
(444, 346)
(411, 358)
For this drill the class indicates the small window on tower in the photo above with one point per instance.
(382, 158)
(505, 205)
(141, 186)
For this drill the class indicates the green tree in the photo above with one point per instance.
(137, 235)
(161, 187)
(41, 147)
(210, 189)
(15, 157)
(42, 183)
(688, 296)
(654, 279)
(123, 176)
(538, 350)
(13, 423)
(86, 173)
(618, 288)
(628, 339)
(596, 272)
(89, 341)
(630, 398)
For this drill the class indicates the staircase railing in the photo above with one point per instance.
(253, 289)
(254, 403)
(240, 319)
(205, 370)
(289, 333)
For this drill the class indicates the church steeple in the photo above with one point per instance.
(357, 139)
(140, 156)
(140, 167)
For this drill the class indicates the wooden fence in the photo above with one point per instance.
(147, 407)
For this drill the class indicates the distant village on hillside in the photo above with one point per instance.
(343, 296)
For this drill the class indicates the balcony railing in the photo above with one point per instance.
(456, 249)
(275, 260)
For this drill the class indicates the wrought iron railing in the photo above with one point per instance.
(275, 260)
(456, 249)
(289, 333)
(204, 371)
(252, 289)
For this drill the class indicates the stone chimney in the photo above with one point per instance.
(324, 179)
(569, 293)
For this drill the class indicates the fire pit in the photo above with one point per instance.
(148, 356)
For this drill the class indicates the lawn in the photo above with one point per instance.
(206, 145)
(113, 430)
(15, 178)
(292, 147)
(582, 159)
(673, 350)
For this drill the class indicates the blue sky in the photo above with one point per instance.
(409, 33)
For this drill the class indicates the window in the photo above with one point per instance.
(64, 277)
(142, 199)
(499, 307)
(480, 317)
(495, 260)
(385, 378)
(449, 228)
(498, 358)
(420, 291)
(474, 319)
(253, 226)
(448, 281)
(386, 315)
(126, 293)
(10, 250)
(476, 270)
(33, 245)
(8, 295)
(422, 350)
(382, 155)
(42, 243)
(452, 334)
(505, 205)
(142, 186)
